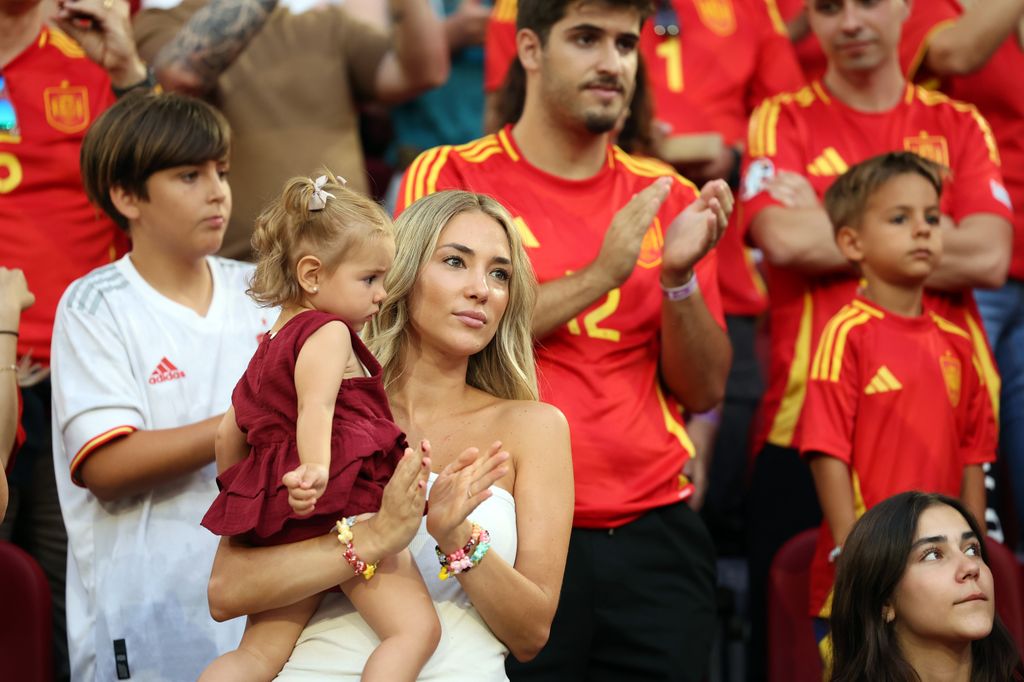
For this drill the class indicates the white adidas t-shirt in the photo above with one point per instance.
(127, 358)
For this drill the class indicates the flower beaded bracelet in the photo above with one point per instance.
(465, 558)
(360, 567)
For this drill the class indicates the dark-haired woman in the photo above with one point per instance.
(914, 598)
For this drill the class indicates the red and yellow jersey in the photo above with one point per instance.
(601, 368)
(696, 91)
(47, 226)
(812, 133)
(987, 88)
(902, 401)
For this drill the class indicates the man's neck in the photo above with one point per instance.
(573, 154)
(20, 23)
(189, 283)
(872, 91)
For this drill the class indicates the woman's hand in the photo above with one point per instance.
(459, 489)
(401, 509)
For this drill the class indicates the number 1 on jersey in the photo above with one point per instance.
(671, 50)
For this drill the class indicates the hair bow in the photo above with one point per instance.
(318, 201)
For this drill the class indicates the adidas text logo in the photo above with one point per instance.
(883, 382)
(165, 371)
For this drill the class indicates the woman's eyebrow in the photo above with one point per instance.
(938, 539)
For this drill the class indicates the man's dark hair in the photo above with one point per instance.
(540, 15)
(144, 133)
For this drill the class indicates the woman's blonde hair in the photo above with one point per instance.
(287, 230)
(505, 367)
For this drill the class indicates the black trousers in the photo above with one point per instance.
(637, 603)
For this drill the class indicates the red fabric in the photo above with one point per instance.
(811, 133)
(366, 445)
(696, 91)
(47, 226)
(900, 401)
(808, 50)
(987, 88)
(601, 369)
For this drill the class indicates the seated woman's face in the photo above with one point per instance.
(461, 293)
(946, 592)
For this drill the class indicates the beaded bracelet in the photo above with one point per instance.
(465, 558)
(360, 567)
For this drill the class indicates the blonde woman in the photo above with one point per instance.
(453, 337)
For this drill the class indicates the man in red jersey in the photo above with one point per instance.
(799, 142)
(625, 339)
(973, 54)
(56, 81)
(702, 102)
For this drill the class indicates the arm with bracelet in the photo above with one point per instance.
(14, 298)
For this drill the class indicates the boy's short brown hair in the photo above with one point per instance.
(143, 133)
(847, 198)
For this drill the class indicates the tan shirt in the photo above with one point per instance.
(291, 98)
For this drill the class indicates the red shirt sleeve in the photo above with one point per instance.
(926, 19)
(499, 44)
(980, 438)
(773, 145)
(977, 182)
(831, 403)
(428, 173)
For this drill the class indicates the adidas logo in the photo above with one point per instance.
(828, 164)
(165, 371)
(883, 382)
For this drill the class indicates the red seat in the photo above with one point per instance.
(1006, 574)
(792, 654)
(26, 635)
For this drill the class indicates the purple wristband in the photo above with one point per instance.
(682, 292)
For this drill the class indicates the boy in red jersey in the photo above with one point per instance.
(798, 143)
(895, 401)
(973, 51)
(57, 77)
(618, 244)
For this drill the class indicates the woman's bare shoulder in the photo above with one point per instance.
(529, 413)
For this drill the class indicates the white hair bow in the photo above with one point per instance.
(318, 201)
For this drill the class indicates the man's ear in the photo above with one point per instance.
(848, 241)
(308, 271)
(529, 47)
(126, 203)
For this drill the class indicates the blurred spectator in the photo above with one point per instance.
(453, 113)
(974, 54)
(808, 49)
(701, 108)
(799, 142)
(54, 80)
(14, 298)
(290, 84)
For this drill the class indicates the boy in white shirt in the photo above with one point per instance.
(146, 352)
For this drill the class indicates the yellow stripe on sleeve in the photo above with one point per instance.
(435, 171)
(826, 343)
(784, 424)
(94, 444)
(837, 352)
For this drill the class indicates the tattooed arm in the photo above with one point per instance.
(418, 59)
(208, 44)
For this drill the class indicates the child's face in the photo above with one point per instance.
(898, 241)
(355, 289)
(187, 210)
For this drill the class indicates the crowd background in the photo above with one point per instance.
(365, 87)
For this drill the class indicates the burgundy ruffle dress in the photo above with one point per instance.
(366, 445)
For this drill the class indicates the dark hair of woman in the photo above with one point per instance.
(874, 558)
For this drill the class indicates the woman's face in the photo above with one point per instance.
(945, 594)
(461, 293)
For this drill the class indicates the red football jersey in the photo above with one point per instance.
(47, 226)
(601, 368)
(696, 91)
(812, 133)
(902, 402)
(988, 89)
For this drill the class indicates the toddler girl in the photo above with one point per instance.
(309, 438)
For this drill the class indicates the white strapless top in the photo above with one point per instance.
(337, 641)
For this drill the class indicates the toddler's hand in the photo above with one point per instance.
(305, 486)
